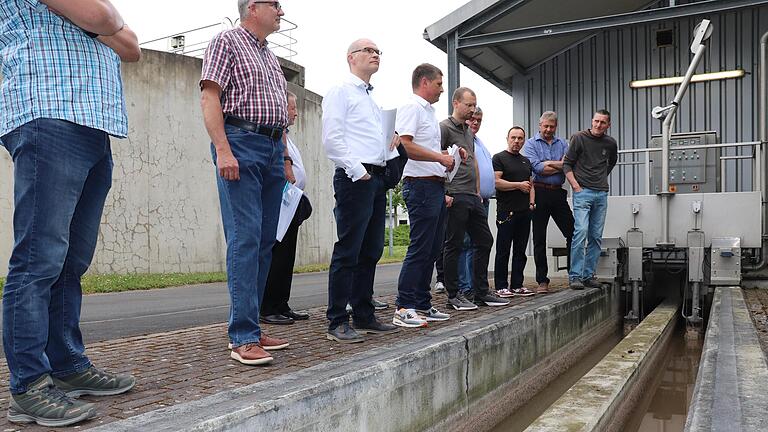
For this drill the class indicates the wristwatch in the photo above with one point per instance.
(288, 159)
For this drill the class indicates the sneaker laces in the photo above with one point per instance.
(57, 395)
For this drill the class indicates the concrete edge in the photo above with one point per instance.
(733, 374)
(377, 383)
(602, 400)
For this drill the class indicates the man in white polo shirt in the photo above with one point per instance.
(424, 194)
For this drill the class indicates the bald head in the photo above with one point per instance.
(360, 44)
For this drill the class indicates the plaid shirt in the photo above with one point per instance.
(252, 82)
(52, 69)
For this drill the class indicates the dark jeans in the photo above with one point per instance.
(250, 208)
(359, 214)
(552, 203)
(465, 259)
(62, 173)
(426, 212)
(512, 231)
(467, 215)
(278, 289)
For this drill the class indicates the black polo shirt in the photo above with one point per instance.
(514, 168)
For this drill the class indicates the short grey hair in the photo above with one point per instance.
(289, 94)
(478, 111)
(242, 6)
(548, 115)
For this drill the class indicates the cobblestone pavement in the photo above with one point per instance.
(189, 364)
(757, 303)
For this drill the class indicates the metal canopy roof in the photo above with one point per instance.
(499, 39)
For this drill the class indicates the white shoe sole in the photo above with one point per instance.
(492, 304)
(17, 417)
(464, 308)
(260, 361)
(265, 348)
(401, 323)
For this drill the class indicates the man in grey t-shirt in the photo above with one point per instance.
(589, 161)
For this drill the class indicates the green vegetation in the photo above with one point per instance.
(402, 236)
(94, 284)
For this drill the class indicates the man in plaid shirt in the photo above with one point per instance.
(60, 100)
(245, 112)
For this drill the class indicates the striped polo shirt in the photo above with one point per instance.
(52, 69)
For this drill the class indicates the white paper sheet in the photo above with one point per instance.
(288, 206)
(388, 128)
(454, 151)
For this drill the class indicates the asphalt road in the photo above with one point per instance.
(135, 313)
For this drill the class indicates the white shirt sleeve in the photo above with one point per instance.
(407, 122)
(334, 125)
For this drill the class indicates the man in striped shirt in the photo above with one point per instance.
(60, 100)
(245, 112)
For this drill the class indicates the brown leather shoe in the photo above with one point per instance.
(251, 354)
(272, 344)
(543, 288)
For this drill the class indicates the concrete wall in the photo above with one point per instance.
(162, 214)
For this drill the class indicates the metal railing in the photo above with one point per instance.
(281, 42)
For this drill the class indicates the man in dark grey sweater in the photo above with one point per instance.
(587, 164)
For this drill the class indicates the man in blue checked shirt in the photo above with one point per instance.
(60, 100)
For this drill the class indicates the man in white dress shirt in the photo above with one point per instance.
(354, 140)
(424, 194)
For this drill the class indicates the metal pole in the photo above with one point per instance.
(391, 224)
(695, 303)
(453, 67)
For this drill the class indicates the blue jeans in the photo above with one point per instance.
(426, 212)
(359, 214)
(250, 208)
(62, 174)
(465, 259)
(589, 208)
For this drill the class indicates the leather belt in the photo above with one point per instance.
(270, 131)
(430, 178)
(547, 186)
(375, 169)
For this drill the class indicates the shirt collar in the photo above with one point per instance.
(538, 137)
(259, 43)
(357, 82)
(462, 125)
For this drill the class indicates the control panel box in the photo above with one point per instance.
(691, 169)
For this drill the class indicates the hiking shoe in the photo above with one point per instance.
(376, 327)
(522, 292)
(95, 382)
(45, 404)
(377, 305)
(433, 314)
(345, 334)
(543, 288)
(272, 344)
(575, 284)
(505, 293)
(439, 288)
(408, 318)
(251, 354)
(490, 300)
(591, 283)
(461, 303)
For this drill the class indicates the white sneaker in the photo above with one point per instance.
(408, 318)
(433, 314)
(523, 292)
(439, 288)
(505, 293)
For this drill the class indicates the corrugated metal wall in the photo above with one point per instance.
(596, 74)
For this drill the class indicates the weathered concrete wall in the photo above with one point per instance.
(162, 214)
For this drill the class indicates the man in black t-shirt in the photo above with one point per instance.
(515, 198)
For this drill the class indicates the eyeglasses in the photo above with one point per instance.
(274, 4)
(368, 50)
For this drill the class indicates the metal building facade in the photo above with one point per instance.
(596, 74)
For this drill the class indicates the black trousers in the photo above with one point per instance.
(512, 232)
(467, 215)
(550, 203)
(278, 289)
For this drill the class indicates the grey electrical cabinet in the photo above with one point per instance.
(691, 170)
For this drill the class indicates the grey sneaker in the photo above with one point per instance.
(433, 314)
(575, 284)
(47, 405)
(94, 382)
(461, 303)
(591, 283)
(490, 300)
(377, 327)
(439, 288)
(345, 334)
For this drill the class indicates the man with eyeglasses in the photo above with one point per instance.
(245, 112)
(61, 99)
(354, 140)
(466, 213)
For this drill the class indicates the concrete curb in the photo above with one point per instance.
(730, 388)
(412, 386)
(602, 400)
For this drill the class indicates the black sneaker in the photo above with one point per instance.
(345, 334)
(377, 327)
(591, 283)
(47, 405)
(575, 284)
(490, 300)
(95, 382)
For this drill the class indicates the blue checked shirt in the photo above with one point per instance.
(538, 151)
(52, 69)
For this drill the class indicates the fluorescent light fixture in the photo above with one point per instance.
(657, 82)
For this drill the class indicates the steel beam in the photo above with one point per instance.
(489, 16)
(602, 23)
(452, 40)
